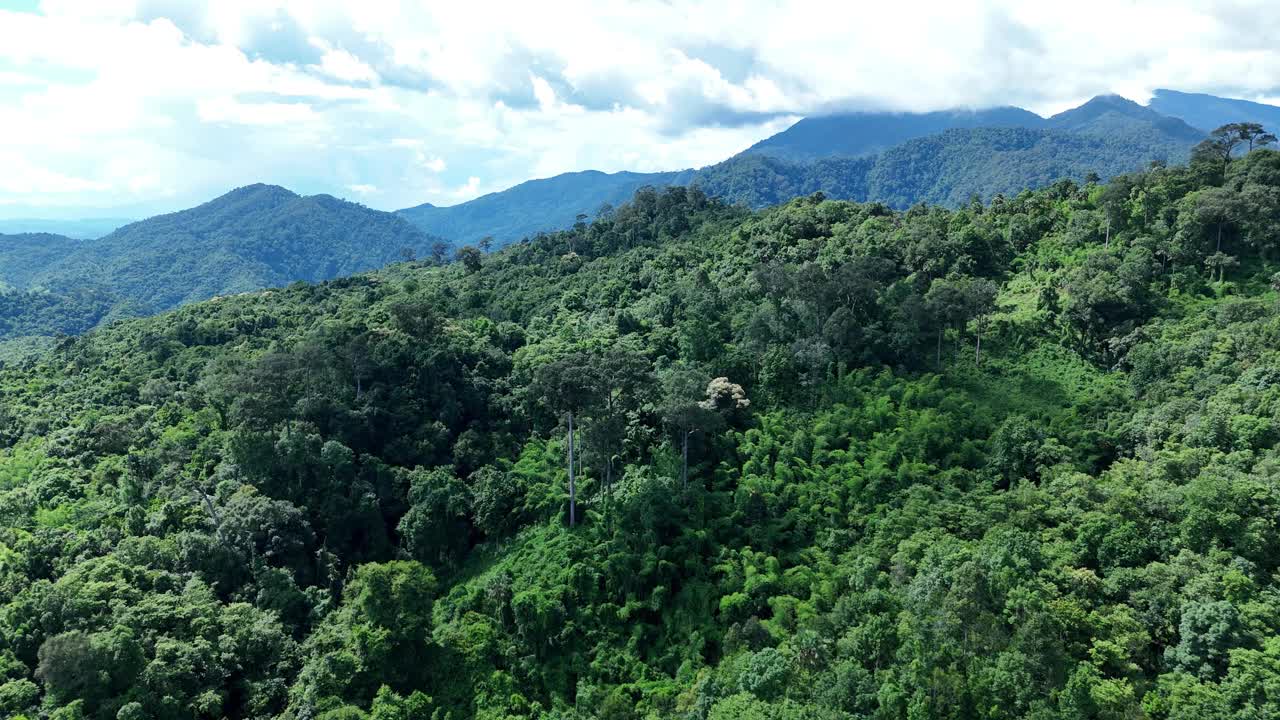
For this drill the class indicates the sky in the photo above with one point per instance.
(126, 108)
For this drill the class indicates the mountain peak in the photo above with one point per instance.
(258, 190)
(1098, 105)
(861, 134)
(1109, 115)
(1112, 99)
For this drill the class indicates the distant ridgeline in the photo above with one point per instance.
(251, 238)
(822, 461)
(896, 158)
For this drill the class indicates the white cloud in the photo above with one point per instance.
(363, 189)
(19, 79)
(342, 65)
(118, 102)
(468, 190)
(230, 110)
(22, 179)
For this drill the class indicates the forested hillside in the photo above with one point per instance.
(251, 238)
(23, 256)
(829, 460)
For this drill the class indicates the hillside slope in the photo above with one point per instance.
(954, 166)
(832, 461)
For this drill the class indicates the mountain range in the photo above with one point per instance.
(264, 236)
(896, 158)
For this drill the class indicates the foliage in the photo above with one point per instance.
(803, 492)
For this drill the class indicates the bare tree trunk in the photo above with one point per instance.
(214, 517)
(940, 329)
(684, 459)
(608, 486)
(977, 346)
(573, 489)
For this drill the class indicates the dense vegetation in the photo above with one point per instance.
(952, 167)
(44, 314)
(253, 237)
(948, 168)
(829, 460)
(24, 256)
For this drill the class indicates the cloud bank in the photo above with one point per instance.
(150, 105)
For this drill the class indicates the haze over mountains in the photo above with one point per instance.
(86, 229)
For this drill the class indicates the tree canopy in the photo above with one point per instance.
(1011, 459)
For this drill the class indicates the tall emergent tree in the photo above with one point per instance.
(568, 386)
(624, 382)
(692, 404)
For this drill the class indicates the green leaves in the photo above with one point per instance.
(348, 499)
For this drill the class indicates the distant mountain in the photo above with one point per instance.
(1107, 135)
(946, 168)
(87, 229)
(251, 238)
(856, 156)
(1115, 117)
(869, 133)
(1208, 112)
(545, 204)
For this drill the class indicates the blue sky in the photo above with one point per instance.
(131, 107)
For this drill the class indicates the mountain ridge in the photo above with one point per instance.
(1207, 112)
(829, 153)
(252, 237)
(810, 137)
